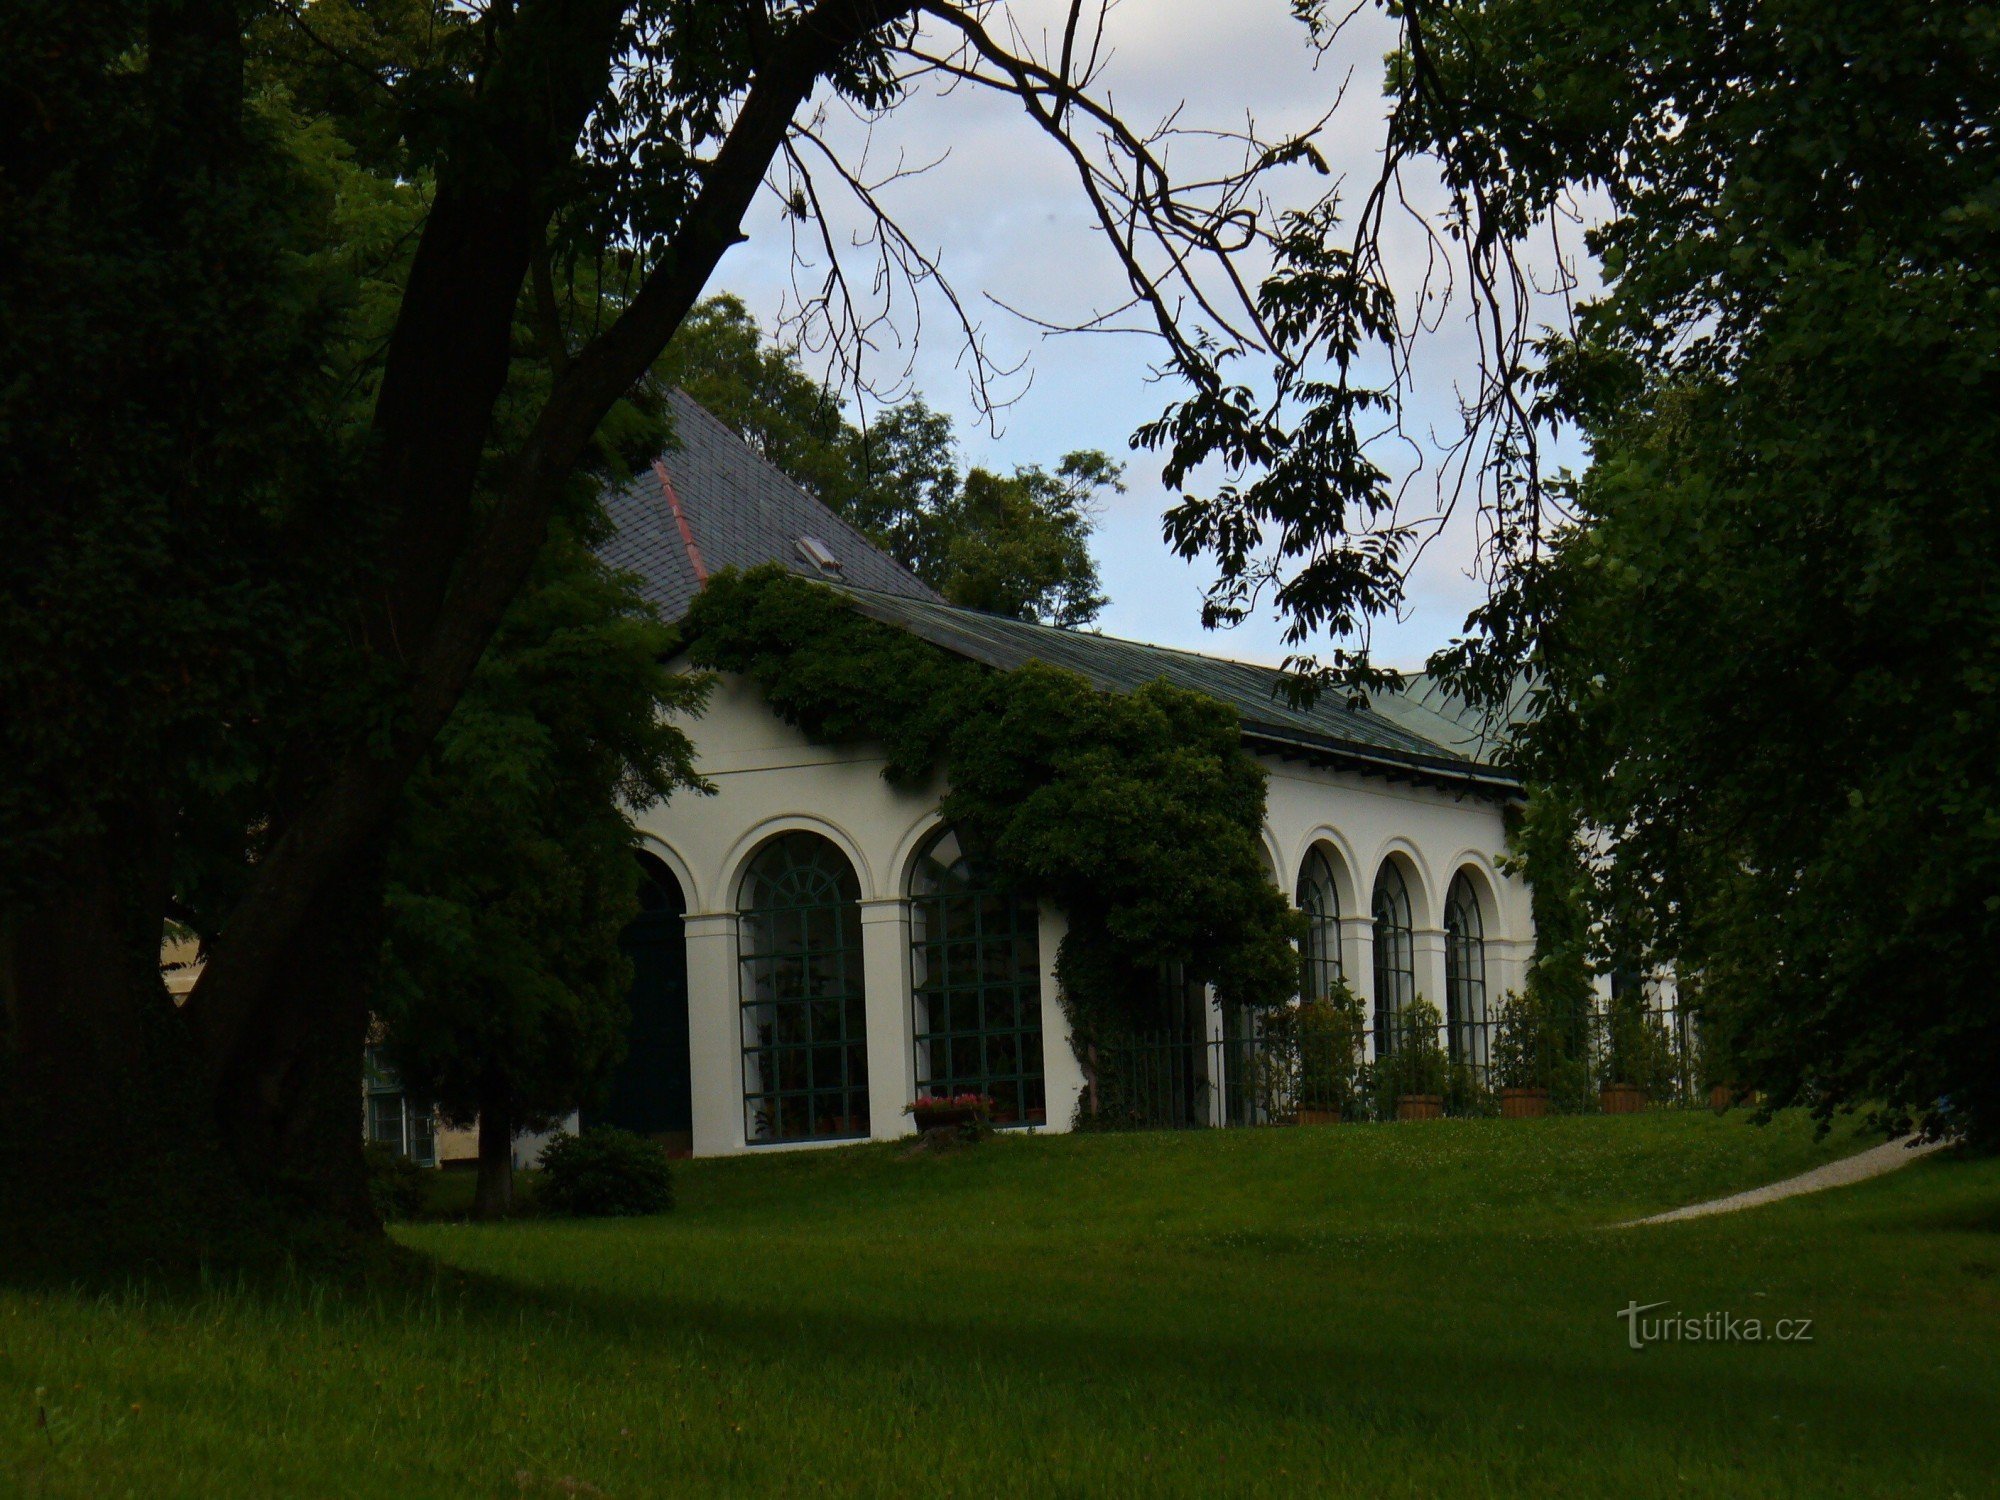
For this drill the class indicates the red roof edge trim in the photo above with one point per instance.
(681, 520)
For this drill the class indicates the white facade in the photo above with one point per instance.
(770, 779)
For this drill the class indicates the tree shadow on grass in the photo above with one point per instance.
(1408, 1383)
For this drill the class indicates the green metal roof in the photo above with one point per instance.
(1410, 736)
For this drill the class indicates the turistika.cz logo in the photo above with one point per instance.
(1707, 1328)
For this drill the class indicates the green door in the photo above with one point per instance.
(653, 1093)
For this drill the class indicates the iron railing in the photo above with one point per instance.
(1612, 1059)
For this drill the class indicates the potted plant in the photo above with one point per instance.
(970, 1114)
(1521, 1053)
(1418, 1067)
(1327, 1034)
(1636, 1057)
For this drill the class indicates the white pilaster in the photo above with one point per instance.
(885, 971)
(1507, 961)
(715, 1044)
(1062, 1075)
(1357, 957)
(1427, 946)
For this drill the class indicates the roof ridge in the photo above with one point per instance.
(1065, 630)
(1004, 641)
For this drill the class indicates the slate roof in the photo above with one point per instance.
(736, 510)
(722, 505)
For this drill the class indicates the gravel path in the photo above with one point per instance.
(1856, 1168)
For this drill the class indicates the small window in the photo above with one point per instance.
(392, 1120)
(816, 552)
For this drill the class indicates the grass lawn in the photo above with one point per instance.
(1419, 1309)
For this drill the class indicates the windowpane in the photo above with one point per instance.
(1319, 955)
(1465, 973)
(1395, 955)
(804, 1013)
(979, 1017)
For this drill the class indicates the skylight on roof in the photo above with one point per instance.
(816, 552)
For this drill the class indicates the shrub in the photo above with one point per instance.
(1417, 1065)
(1528, 1046)
(1466, 1094)
(605, 1173)
(395, 1183)
(1637, 1051)
(1328, 1033)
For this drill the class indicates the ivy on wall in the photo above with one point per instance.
(1138, 814)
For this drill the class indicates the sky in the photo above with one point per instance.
(1002, 214)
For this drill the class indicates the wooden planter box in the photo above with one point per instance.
(1318, 1116)
(1621, 1099)
(1420, 1107)
(1523, 1104)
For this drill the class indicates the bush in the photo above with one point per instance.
(395, 1183)
(1637, 1051)
(1529, 1045)
(1328, 1033)
(607, 1173)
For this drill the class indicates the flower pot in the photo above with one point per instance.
(1621, 1099)
(1318, 1116)
(1420, 1107)
(945, 1119)
(1523, 1104)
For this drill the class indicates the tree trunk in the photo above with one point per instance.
(288, 1099)
(106, 1154)
(251, 1094)
(493, 1195)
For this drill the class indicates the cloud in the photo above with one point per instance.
(1006, 220)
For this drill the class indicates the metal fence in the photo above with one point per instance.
(1615, 1059)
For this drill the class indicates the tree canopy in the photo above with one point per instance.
(1760, 625)
(316, 318)
(512, 877)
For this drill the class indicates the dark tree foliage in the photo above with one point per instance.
(1762, 624)
(1009, 544)
(314, 318)
(1139, 814)
(511, 877)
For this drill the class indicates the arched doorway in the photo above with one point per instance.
(654, 1092)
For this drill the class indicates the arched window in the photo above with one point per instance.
(1319, 899)
(805, 1030)
(1395, 956)
(1464, 973)
(976, 982)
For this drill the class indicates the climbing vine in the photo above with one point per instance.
(1136, 813)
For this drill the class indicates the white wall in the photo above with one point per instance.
(1365, 821)
(770, 779)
